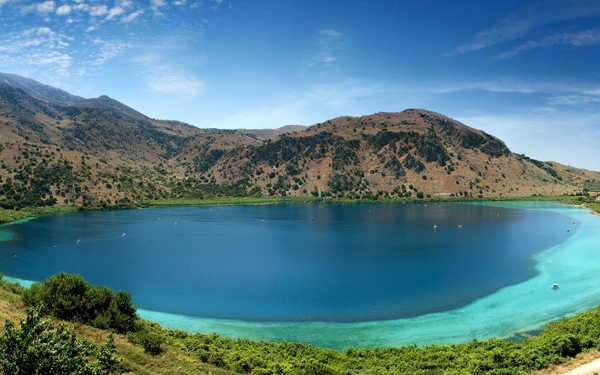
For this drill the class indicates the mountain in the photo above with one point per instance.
(57, 148)
(411, 153)
(39, 91)
(263, 134)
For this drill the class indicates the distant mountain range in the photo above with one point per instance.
(56, 147)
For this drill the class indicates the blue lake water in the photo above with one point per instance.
(333, 275)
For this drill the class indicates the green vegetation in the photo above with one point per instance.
(223, 201)
(36, 347)
(69, 297)
(7, 216)
(176, 351)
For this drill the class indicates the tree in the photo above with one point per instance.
(37, 348)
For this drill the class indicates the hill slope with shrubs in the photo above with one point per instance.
(60, 149)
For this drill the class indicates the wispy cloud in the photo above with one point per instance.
(155, 5)
(317, 102)
(63, 10)
(38, 46)
(45, 7)
(329, 43)
(517, 25)
(113, 12)
(98, 10)
(167, 78)
(576, 39)
(106, 50)
(132, 16)
(574, 99)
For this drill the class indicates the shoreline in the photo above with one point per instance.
(439, 328)
(13, 217)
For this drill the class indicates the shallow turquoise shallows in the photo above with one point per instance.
(332, 275)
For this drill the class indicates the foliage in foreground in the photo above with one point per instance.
(70, 297)
(36, 347)
(557, 343)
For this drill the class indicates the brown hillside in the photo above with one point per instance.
(387, 153)
(102, 152)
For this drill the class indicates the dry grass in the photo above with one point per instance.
(579, 360)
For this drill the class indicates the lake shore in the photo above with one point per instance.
(10, 217)
(558, 264)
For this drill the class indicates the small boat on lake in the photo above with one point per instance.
(555, 286)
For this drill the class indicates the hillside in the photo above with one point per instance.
(58, 148)
(395, 155)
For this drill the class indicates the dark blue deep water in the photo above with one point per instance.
(291, 262)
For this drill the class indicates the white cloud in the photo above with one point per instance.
(132, 16)
(155, 5)
(106, 50)
(82, 7)
(574, 99)
(176, 84)
(98, 10)
(45, 7)
(328, 45)
(63, 10)
(113, 12)
(167, 78)
(36, 47)
(517, 25)
(331, 33)
(576, 39)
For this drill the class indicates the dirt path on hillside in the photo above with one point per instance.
(587, 369)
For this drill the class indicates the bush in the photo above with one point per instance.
(37, 348)
(151, 342)
(70, 297)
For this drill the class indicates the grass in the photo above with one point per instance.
(7, 216)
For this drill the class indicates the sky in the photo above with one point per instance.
(527, 72)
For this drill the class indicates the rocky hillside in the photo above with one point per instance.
(415, 153)
(58, 148)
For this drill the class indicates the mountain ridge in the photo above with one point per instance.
(101, 152)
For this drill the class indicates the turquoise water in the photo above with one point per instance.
(506, 310)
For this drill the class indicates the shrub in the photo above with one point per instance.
(70, 297)
(151, 342)
(37, 348)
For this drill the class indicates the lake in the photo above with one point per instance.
(298, 266)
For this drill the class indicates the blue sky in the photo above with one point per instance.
(525, 71)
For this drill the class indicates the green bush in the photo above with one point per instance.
(70, 297)
(37, 348)
(151, 342)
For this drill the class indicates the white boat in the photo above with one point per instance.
(555, 286)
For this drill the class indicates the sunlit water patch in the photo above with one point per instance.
(332, 275)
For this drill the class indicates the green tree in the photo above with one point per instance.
(37, 348)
